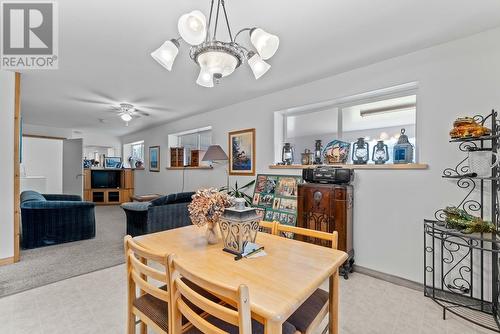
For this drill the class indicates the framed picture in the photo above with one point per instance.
(277, 195)
(242, 152)
(154, 158)
(113, 162)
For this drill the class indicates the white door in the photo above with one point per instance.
(73, 167)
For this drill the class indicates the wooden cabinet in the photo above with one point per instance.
(328, 208)
(177, 157)
(109, 196)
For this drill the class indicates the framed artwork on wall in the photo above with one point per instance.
(154, 158)
(242, 152)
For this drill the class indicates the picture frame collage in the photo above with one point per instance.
(275, 197)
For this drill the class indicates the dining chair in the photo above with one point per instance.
(308, 317)
(152, 306)
(218, 319)
(267, 227)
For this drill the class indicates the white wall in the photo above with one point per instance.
(7, 90)
(43, 157)
(454, 79)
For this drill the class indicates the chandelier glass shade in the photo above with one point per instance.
(216, 58)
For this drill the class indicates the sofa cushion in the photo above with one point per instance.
(185, 197)
(30, 195)
(136, 206)
(162, 200)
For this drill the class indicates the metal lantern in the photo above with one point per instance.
(287, 154)
(360, 152)
(380, 154)
(403, 150)
(307, 157)
(238, 225)
(318, 149)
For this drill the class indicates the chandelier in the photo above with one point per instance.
(217, 59)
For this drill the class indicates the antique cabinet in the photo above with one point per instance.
(328, 208)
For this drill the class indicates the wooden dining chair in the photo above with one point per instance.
(218, 318)
(151, 306)
(308, 317)
(267, 227)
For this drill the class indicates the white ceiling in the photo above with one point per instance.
(104, 52)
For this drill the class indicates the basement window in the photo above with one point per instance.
(375, 115)
(195, 139)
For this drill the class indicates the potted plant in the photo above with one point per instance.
(239, 192)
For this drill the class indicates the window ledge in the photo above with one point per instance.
(352, 166)
(189, 167)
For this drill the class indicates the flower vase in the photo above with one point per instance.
(211, 234)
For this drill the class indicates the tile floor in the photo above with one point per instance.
(95, 303)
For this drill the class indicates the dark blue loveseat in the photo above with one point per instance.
(54, 219)
(164, 213)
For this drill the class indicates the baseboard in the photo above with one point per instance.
(389, 278)
(7, 260)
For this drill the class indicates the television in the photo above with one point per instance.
(106, 179)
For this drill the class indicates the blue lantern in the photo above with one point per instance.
(403, 150)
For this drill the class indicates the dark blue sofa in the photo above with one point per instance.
(53, 219)
(164, 213)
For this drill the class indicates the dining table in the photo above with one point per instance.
(278, 282)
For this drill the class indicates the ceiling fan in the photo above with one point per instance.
(125, 110)
(128, 112)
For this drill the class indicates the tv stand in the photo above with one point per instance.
(109, 196)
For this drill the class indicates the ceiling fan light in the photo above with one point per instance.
(165, 54)
(126, 117)
(259, 67)
(193, 27)
(265, 43)
(205, 78)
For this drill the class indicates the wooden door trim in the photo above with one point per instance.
(17, 179)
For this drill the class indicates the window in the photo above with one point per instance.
(137, 151)
(377, 115)
(196, 139)
(133, 151)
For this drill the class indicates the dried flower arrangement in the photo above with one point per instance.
(207, 206)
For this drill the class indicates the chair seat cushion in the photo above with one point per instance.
(157, 310)
(257, 327)
(309, 310)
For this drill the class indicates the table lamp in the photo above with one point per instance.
(216, 153)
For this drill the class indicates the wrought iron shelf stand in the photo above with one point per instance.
(461, 271)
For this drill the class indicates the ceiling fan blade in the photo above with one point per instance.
(142, 112)
(102, 96)
(78, 99)
(156, 108)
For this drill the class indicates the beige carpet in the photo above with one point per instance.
(50, 264)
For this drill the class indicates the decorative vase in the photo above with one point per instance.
(211, 234)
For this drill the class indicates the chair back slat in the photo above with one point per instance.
(142, 252)
(215, 309)
(183, 293)
(150, 288)
(267, 227)
(197, 321)
(305, 232)
(145, 270)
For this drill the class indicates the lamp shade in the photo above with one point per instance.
(259, 67)
(193, 27)
(265, 43)
(205, 78)
(126, 117)
(215, 152)
(165, 54)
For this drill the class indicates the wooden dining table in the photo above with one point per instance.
(278, 282)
